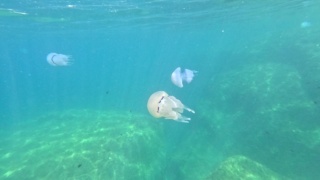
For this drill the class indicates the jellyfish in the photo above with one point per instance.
(55, 59)
(177, 76)
(161, 105)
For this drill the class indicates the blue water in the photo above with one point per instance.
(123, 51)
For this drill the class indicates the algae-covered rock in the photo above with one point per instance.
(195, 156)
(259, 95)
(258, 88)
(240, 168)
(265, 112)
(83, 144)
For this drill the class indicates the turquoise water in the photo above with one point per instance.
(256, 94)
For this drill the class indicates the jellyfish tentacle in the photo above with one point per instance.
(188, 109)
(183, 119)
(68, 60)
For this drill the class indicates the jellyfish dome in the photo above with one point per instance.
(161, 105)
(177, 77)
(55, 59)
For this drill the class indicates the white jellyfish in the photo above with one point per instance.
(177, 76)
(160, 104)
(55, 59)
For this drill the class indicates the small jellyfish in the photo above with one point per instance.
(161, 105)
(55, 59)
(177, 76)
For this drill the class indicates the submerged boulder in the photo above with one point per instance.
(264, 111)
(241, 167)
(84, 144)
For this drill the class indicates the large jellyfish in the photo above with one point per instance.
(160, 104)
(177, 76)
(55, 59)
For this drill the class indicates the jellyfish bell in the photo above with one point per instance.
(177, 77)
(161, 105)
(55, 59)
(153, 103)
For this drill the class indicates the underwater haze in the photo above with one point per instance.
(256, 93)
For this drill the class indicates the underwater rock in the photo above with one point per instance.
(258, 88)
(264, 110)
(241, 167)
(84, 144)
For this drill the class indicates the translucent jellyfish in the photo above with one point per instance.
(177, 76)
(160, 104)
(55, 59)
